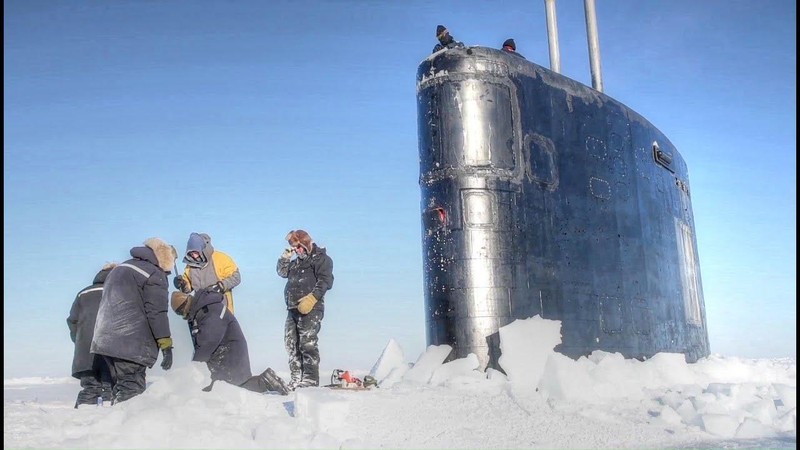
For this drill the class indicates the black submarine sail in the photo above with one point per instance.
(543, 196)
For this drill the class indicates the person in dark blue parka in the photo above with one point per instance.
(219, 342)
(91, 369)
(132, 323)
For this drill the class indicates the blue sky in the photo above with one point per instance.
(130, 119)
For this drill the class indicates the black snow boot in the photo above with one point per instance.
(274, 382)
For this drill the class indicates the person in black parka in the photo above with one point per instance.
(132, 323)
(445, 40)
(219, 342)
(509, 46)
(91, 369)
(308, 277)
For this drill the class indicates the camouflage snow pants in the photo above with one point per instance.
(301, 341)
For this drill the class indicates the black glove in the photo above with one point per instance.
(166, 361)
(179, 282)
(217, 287)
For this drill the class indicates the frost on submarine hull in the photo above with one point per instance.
(541, 195)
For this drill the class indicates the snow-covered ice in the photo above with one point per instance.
(546, 401)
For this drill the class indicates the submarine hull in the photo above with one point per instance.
(542, 196)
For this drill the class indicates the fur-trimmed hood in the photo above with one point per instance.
(181, 303)
(165, 253)
(100, 278)
(186, 305)
(300, 237)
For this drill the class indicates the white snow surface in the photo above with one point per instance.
(547, 401)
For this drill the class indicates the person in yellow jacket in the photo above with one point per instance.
(208, 268)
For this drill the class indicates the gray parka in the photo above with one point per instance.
(133, 310)
(81, 320)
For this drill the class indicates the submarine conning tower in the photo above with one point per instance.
(543, 196)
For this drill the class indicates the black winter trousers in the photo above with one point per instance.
(128, 378)
(301, 339)
(95, 383)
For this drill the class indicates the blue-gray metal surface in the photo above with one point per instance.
(543, 196)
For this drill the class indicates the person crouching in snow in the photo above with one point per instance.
(219, 342)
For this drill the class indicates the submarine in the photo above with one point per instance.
(543, 196)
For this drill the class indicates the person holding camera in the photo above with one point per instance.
(309, 275)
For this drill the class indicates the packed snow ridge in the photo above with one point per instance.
(544, 400)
